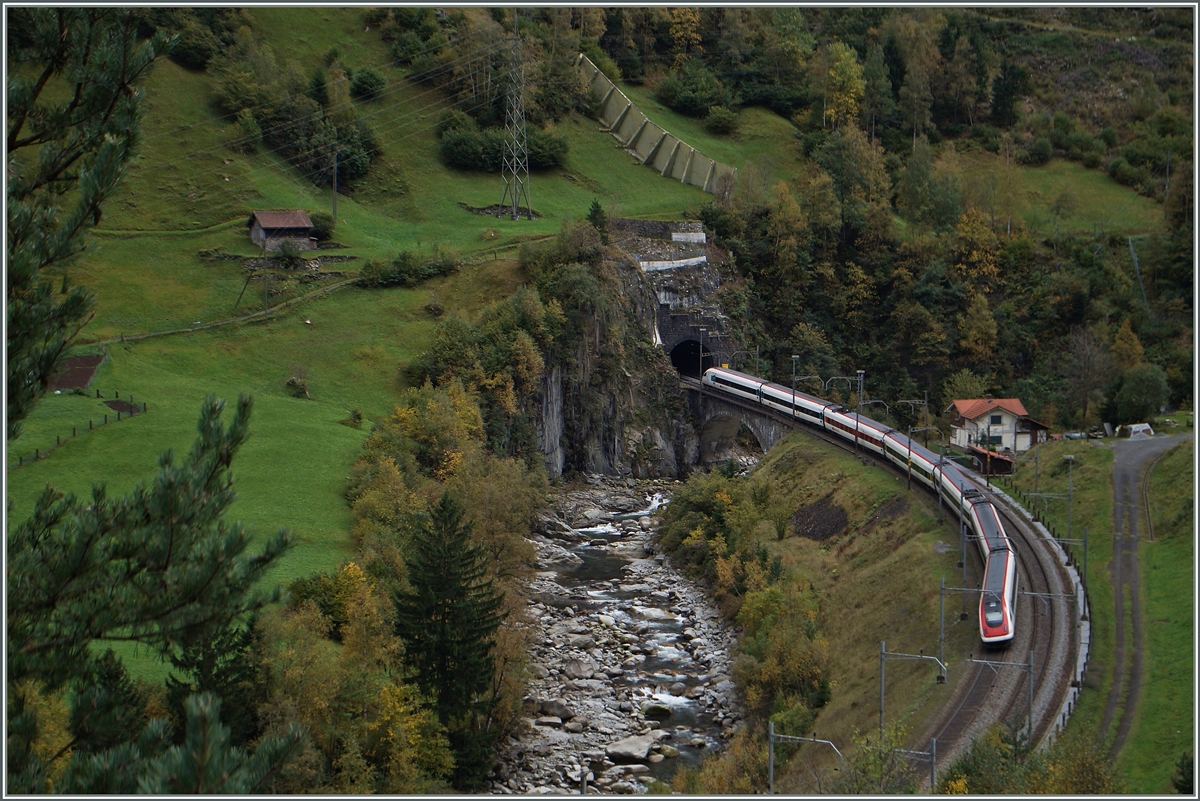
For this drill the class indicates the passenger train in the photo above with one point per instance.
(998, 601)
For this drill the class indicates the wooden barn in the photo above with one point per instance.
(269, 229)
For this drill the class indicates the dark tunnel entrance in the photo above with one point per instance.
(686, 358)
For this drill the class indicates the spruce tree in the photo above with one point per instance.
(73, 116)
(448, 623)
(225, 666)
(598, 219)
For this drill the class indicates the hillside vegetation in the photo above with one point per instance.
(943, 198)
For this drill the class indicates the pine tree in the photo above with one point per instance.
(448, 624)
(107, 708)
(158, 566)
(74, 109)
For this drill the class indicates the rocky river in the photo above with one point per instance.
(630, 661)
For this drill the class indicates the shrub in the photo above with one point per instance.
(367, 83)
(1110, 137)
(451, 120)
(289, 254)
(988, 136)
(248, 134)
(1091, 160)
(692, 89)
(195, 47)
(374, 16)
(323, 224)
(1038, 153)
(721, 121)
(546, 150)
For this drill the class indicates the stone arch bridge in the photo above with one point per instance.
(719, 418)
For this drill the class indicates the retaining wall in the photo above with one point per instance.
(656, 147)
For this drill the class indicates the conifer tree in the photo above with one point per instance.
(158, 566)
(73, 116)
(598, 219)
(448, 623)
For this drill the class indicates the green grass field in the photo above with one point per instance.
(1163, 727)
(1101, 204)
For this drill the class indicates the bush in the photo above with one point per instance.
(248, 134)
(323, 224)
(408, 270)
(367, 83)
(1110, 137)
(452, 120)
(196, 46)
(988, 136)
(546, 151)
(691, 89)
(483, 150)
(1038, 153)
(1125, 173)
(721, 121)
(1091, 160)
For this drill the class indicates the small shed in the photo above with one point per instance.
(270, 229)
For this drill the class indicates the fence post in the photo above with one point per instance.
(73, 434)
(89, 425)
(143, 406)
(20, 461)
(97, 393)
(106, 419)
(36, 454)
(118, 417)
(117, 394)
(57, 439)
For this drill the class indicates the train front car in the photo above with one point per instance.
(997, 602)
(996, 608)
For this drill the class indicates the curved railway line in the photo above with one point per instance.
(994, 685)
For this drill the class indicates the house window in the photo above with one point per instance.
(996, 439)
(995, 420)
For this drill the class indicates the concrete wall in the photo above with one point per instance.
(656, 147)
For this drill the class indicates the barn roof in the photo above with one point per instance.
(975, 408)
(281, 218)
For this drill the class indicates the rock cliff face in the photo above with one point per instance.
(613, 405)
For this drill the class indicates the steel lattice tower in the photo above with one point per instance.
(515, 170)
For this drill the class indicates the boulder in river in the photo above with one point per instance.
(631, 749)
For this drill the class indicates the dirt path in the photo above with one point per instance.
(1131, 459)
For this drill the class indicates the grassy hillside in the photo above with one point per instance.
(1163, 729)
(878, 580)
(1165, 725)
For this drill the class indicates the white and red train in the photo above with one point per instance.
(998, 601)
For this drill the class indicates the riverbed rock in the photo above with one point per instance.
(579, 669)
(558, 708)
(631, 749)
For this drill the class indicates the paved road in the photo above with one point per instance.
(1130, 462)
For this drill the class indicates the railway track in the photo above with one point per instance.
(995, 685)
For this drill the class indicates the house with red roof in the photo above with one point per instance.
(269, 229)
(1000, 424)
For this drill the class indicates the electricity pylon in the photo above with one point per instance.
(515, 170)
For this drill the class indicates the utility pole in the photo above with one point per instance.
(515, 169)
